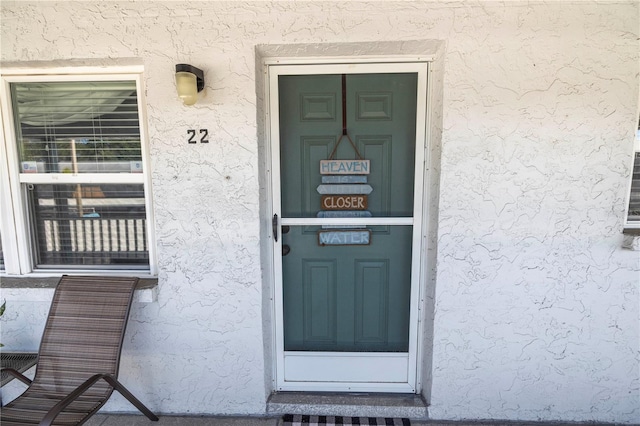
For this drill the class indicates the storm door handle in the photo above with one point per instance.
(274, 225)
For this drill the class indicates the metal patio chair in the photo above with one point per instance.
(79, 354)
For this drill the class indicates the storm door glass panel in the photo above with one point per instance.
(347, 288)
(380, 113)
(347, 298)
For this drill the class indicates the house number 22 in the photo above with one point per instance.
(204, 135)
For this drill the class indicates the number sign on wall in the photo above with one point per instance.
(199, 135)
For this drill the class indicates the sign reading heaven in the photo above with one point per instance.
(344, 167)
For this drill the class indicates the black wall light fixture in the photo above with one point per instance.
(189, 81)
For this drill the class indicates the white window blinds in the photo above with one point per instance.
(77, 127)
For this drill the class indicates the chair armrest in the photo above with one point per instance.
(18, 375)
(51, 415)
(57, 409)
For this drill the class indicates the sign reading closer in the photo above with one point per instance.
(344, 202)
(344, 167)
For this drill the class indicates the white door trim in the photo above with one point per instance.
(366, 59)
(410, 363)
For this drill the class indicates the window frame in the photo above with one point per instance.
(15, 229)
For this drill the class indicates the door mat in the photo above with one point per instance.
(305, 420)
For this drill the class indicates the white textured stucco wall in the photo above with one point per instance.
(537, 306)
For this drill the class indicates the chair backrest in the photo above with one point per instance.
(84, 332)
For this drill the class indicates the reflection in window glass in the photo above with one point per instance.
(77, 127)
(88, 225)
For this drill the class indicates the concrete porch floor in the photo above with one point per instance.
(168, 420)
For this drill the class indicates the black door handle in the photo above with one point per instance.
(285, 249)
(274, 226)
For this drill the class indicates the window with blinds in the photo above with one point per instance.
(79, 150)
(633, 216)
(633, 208)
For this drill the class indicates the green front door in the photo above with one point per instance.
(347, 231)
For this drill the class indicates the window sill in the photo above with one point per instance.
(631, 239)
(40, 289)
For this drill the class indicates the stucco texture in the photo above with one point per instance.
(536, 303)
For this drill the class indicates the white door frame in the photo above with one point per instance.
(410, 363)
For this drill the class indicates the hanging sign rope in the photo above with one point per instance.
(344, 167)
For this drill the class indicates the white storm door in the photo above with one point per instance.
(347, 145)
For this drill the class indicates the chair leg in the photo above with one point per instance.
(18, 375)
(51, 415)
(132, 399)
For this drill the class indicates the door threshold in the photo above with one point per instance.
(351, 404)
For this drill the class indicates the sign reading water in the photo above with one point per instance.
(344, 238)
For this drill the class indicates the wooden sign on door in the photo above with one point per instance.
(344, 202)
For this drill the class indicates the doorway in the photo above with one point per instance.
(347, 149)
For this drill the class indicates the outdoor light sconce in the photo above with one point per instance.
(189, 81)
